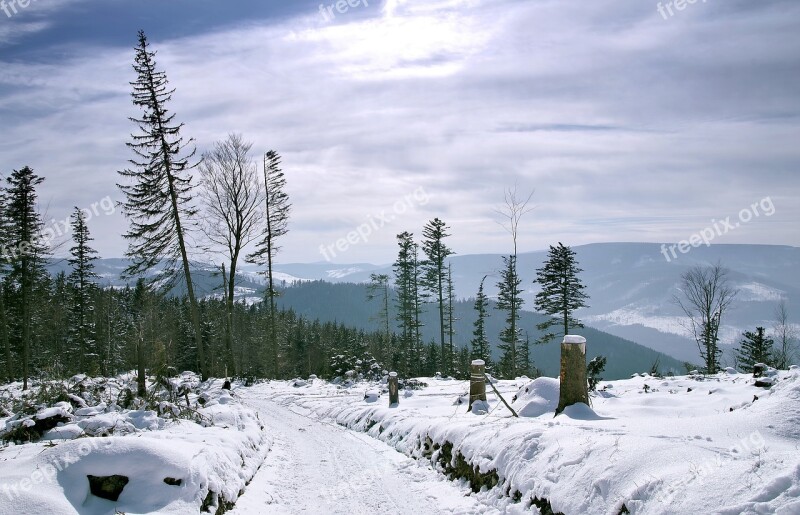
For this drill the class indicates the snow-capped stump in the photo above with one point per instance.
(107, 487)
(394, 392)
(477, 384)
(573, 388)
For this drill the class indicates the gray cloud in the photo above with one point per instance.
(629, 126)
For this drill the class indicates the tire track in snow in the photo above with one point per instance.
(319, 468)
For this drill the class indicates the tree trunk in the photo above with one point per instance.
(4, 336)
(26, 323)
(574, 388)
(477, 382)
(394, 390)
(141, 385)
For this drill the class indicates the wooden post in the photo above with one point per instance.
(574, 388)
(394, 393)
(477, 382)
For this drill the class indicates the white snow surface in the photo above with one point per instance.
(320, 468)
(220, 455)
(689, 444)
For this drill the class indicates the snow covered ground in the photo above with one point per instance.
(172, 465)
(689, 444)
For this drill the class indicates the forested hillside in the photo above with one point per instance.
(347, 303)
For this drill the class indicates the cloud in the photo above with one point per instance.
(629, 126)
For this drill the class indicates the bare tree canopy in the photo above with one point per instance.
(232, 196)
(785, 336)
(706, 294)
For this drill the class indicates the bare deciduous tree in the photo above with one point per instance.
(785, 337)
(232, 197)
(706, 295)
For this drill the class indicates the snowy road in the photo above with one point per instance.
(320, 468)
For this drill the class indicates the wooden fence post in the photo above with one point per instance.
(574, 388)
(394, 393)
(477, 382)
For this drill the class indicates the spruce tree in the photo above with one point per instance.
(5, 241)
(562, 291)
(378, 288)
(754, 348)
(81, 279)
(26, 254)
(158, 197)
(509, 300)
(276, 224)
(406, 279)
(479, 342)
(434, 276)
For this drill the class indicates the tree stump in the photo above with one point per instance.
(394, 393)
(477, 382)
(574, 388)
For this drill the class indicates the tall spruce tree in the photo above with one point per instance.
(479, 342)
(754, 348)
(5, 261)
(434, 276)
(562, 291)
(509, 299)
(81, 279)
(406, 279)
(378, 288)
(158, 197)
(276, 224)
(451, 319)
(27, 252)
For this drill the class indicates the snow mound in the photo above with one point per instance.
(538, 397)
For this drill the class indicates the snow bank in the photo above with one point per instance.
(173, 465)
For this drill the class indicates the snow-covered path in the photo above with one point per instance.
(320, 468)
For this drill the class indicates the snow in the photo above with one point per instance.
(572, 338)
(220, 454)
(657, 445)
(317, 467)
(688, 444)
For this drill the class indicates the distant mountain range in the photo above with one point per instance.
(630, 285)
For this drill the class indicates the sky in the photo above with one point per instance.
(629, 120)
